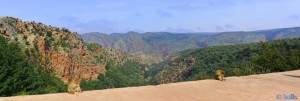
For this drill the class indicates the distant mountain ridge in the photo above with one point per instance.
(157, 46)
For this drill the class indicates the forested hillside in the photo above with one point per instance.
(36, 58)
(235, 60)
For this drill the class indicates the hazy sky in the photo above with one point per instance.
(157, 15)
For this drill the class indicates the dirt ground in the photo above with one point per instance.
(264, 87)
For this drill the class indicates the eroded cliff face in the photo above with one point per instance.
(59, 49)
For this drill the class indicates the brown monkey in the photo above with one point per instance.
(74, 86)
(219, 75)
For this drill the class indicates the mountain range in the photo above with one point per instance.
(154, 47)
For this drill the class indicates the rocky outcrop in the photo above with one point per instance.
(3, 29)
(59, 49)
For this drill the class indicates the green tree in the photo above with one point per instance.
(49, 33)
(41, 34)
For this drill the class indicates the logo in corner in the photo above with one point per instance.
(278, 96)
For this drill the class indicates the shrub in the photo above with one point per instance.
(25, 37)
(65, 29)
(27, 43)
(41, 34)
(92, 47)
(49, 33)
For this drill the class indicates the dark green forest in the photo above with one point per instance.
(116, 76)
(20, 75)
